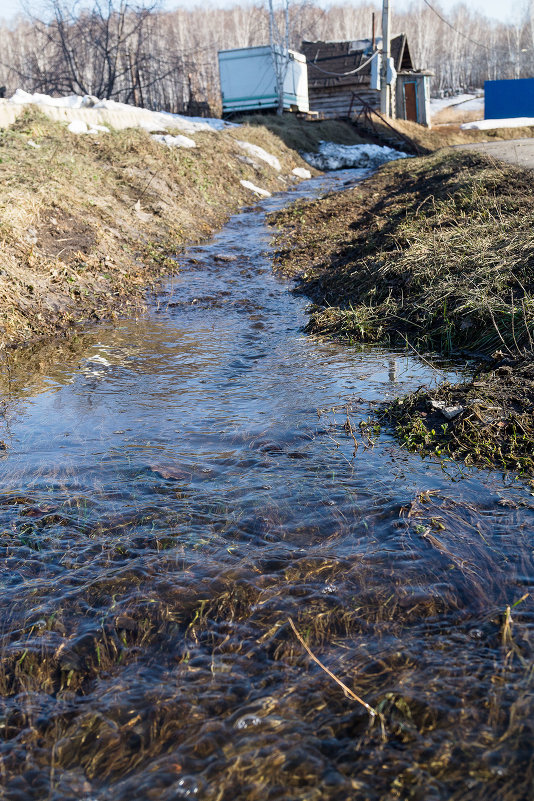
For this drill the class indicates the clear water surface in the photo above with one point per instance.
(176, 489)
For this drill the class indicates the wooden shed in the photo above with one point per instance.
(335, 94)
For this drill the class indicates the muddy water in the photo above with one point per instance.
(177, 488)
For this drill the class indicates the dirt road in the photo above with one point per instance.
(514, 151)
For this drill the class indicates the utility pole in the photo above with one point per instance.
(385, 89)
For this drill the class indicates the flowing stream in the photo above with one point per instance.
(177, 489)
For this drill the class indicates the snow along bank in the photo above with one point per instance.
(95, 112)
(464, 102)
(488, 125)
(332, 156)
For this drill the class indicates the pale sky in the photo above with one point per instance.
(491, 8)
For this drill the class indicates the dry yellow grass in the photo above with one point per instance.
(455, 115)
(86, 223)
(439, 136)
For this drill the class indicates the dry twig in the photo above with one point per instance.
(344, 687)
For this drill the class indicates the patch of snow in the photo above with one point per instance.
(260, 153)
(302, 172)
(332, 156)
(31, 143)
(477, 104)
(213, 122)
(154, 120)
(487, 125)
(23, 98)
(256, 189)
(439, 103)
(81, 127)
(78, 127)
(140, 117)
(174, 141)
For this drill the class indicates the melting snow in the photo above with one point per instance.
(302, 172)
(256, 189)
(174, 141)
(140, 117)
(487, 125)
(22, 98)
(332, 156)
(81, 127)
(465, 102)
(260, 153)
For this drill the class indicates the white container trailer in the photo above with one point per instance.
(248, 79)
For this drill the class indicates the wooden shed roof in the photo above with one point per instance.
(341, 57)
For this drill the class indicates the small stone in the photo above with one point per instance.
(448, 412)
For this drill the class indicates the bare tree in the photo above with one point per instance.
(95, 51)
(128, 50)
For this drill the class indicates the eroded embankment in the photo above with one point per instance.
(435, 253)
(87, 222)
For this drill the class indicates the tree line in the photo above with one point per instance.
(134, 52)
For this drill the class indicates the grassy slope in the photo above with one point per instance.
(87, 222)
(437, 252)
(303, 135)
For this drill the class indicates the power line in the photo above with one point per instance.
(344, 74)
(451, 26)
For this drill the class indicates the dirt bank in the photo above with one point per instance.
(87, 222)
(434, 254)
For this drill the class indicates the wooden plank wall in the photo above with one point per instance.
(334, 103)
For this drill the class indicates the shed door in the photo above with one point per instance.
(410, 101)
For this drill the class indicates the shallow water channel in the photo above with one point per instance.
(176, 488)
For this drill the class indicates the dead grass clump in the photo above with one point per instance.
(436, 251)
(305, 135)
(488, 421)
(452, 115)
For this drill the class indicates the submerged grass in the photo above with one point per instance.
(139, 676)
(434, 253)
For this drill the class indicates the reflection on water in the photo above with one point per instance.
(171, 497)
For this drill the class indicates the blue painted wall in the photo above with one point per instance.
(509, 99)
